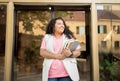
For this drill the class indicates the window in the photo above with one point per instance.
(102, 29)
(108, 27)
(117, 44)
(103, 44)
(77, 30)
(116, 28)
(80, 30)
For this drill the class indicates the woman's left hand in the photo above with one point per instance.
(66, 52)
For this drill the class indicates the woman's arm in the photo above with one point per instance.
(46, 54)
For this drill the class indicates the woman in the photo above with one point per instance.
(59, 63)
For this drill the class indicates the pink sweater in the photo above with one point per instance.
(57, 68)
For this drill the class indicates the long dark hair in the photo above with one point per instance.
(51, 25)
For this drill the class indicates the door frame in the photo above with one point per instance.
(92, 43)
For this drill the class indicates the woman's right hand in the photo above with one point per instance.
(60, 56)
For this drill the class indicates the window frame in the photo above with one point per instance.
(102, 27)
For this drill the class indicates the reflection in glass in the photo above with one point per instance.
(109, 42)
(30, 31)
(2, 39)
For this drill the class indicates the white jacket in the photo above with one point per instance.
(69, 63)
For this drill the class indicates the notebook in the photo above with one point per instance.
(71, 44)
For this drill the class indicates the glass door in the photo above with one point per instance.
(77, 19)
(30, 29)
(2, 39)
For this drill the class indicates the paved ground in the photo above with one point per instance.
(37, 77)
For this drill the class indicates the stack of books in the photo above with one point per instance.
(71, 44)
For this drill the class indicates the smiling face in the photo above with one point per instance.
(59, 27)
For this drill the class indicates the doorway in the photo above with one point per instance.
(30, 29)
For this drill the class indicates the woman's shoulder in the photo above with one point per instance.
(47, 36)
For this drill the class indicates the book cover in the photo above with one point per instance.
(71, 44)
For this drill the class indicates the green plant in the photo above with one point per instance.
(30, 54)
(108, 67)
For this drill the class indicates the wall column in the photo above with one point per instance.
(94, 43)
(9, 41)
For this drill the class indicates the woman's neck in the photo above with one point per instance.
(57, 35)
